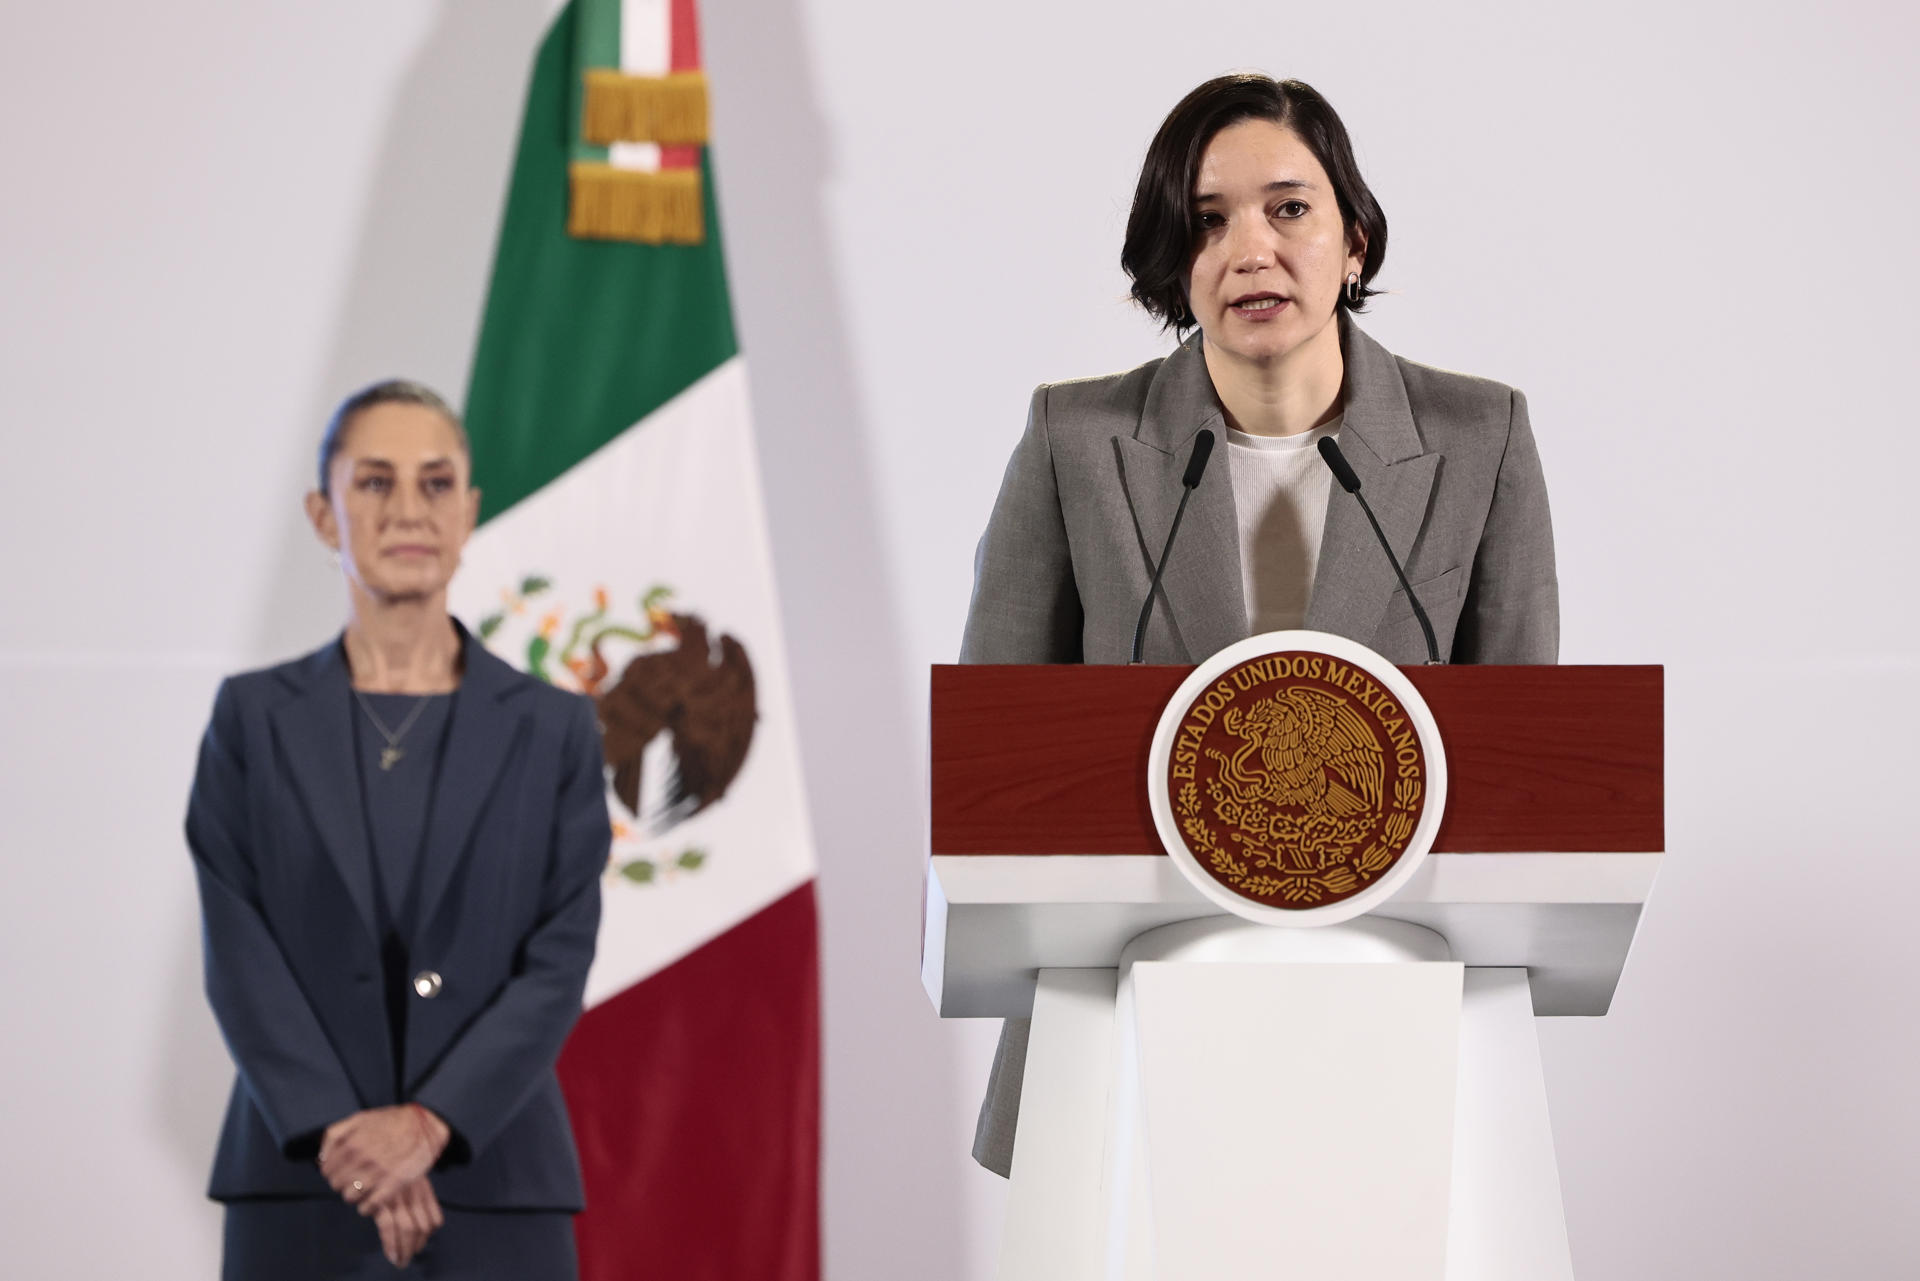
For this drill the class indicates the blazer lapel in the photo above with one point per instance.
(1354, 579)
(315, 731)
(481, 734)
(1201, 607)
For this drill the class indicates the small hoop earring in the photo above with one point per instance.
(1353, 287)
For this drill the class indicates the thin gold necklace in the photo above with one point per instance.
(391, 754)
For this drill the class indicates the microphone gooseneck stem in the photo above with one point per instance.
(1153, 588)
(1426, 628)
(1350, 481)
(1189, 481)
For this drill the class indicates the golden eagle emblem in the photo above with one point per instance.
(1308, 762)
(1296, 780)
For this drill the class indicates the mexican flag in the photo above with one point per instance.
(623, 553)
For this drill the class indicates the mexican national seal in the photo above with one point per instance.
(1296, 778)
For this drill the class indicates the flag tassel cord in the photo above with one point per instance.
(670, 109)
(651, 207)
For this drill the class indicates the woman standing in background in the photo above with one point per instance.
(399, 841)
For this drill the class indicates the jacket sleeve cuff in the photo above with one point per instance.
(459, 1151)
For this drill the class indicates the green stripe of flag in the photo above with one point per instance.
(580, 339)
(596, 43)
(596, 33)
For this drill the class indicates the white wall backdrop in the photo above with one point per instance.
(1683, 228)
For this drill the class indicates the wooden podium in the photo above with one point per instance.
(1045, 866)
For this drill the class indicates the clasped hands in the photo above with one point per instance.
(377, 1160)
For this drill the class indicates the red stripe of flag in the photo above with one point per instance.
(683, 54)
(701, 1157)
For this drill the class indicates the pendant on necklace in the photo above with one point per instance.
(388, 756)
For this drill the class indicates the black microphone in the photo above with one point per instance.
(1196, 468)
(1343, 472)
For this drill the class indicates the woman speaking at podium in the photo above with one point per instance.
(399, 841)
(1254, 237)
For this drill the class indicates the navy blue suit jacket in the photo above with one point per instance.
(509, 902)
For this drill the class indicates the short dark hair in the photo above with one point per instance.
(1158, 252)
(392, 391)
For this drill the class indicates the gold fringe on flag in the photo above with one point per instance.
(648, 207)
(669, 109)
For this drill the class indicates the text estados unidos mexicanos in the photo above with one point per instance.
(1206, 708)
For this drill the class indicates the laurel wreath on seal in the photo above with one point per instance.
(1302, 889)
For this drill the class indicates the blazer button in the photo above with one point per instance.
(426, 984)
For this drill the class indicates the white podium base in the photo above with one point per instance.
(1384, 1121)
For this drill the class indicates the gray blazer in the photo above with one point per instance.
(1447, 460)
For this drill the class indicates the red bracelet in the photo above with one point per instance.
(420, 1115)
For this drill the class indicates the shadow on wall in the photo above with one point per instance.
(195, 1072)
(419, 272)
(894, 1161)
